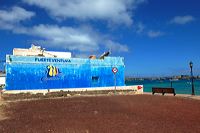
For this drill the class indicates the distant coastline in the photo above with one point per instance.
(171, 78)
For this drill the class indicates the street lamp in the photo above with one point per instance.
(192, 77)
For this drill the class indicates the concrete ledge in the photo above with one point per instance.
(137, 88)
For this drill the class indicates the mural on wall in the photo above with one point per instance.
(52, 73)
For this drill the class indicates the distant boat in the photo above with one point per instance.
(174, 80)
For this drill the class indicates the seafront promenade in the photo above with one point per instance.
(187, 96)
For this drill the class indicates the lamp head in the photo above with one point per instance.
(191, 64)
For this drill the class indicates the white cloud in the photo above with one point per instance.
(115, 46)
(83, 39)
(117, 11)
(182, 19)
(65, 37)
(140, 27)
(9, 18)
(154, 34)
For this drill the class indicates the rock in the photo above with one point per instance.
(95, 112)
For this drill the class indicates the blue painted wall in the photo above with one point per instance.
(26, 73)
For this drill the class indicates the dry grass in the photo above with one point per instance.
(3, 106)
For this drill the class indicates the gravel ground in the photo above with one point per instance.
(103, 114)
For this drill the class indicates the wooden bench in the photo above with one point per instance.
(163, 90)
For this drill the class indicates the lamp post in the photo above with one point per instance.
(171, 82)
(192, 77)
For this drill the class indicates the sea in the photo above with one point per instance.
(180, 86)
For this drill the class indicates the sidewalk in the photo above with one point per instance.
(196, 97)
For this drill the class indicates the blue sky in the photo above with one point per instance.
(156, 38)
